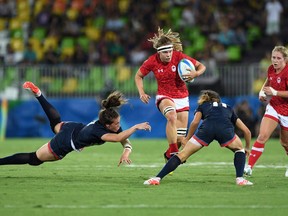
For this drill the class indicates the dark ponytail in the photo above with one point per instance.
(108, 110)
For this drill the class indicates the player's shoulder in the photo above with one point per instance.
(205, 105)
(180, 55)
(285, 69)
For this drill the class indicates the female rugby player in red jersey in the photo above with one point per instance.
(172, 94)
(276, 88)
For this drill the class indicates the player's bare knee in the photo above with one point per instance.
(262, 138)
(171, 115)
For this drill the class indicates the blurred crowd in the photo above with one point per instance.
(116, 31)
(252, 115)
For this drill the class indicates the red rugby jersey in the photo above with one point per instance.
(280, 83)
(166, 74)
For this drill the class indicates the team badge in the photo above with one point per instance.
(278, 80)
(173, 68)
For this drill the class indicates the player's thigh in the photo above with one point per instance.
(44, 153)
(267, 127)
(235, 145)
(182, 119)
(189, 149)
(164, 103)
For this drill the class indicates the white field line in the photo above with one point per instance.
(160, 165)
(205, 164)
(145, 206)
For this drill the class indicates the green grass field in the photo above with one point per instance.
(90, 183)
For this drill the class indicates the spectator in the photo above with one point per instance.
(245, 113)
(188, 16)
(10, 57)
(50, 56)
(30, 56)
(44, 17)
(219, 52)
(80, 56)
(138, 55)
(7, 8)
(226, 36)
(273, 10)
(260, 79)
(93, 54)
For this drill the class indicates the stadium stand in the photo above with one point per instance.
(55, 29)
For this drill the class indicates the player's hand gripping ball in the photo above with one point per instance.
(185, 67)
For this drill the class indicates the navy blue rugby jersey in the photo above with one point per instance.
(90, 134)
(217, 113)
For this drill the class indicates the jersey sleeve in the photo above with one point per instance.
(234, 117)
(120, 130)
(147, 66)
(198, 109)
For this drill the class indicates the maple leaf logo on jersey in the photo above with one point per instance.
(173, 68)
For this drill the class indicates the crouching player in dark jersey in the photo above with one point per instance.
(75, 136)
(219, 121)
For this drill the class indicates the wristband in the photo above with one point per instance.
(262, 94)
(274, 92)
(130, 150)
(127, 146)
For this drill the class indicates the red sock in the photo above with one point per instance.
(256, 152)
(173, 148)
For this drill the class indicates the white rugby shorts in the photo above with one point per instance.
(182, 104)
(271, 113)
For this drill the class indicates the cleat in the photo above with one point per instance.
(152, 181)
(243, 182)
(248, 171)
(286, 173)
(33, 88)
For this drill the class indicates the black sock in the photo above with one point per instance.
(171, 165)
(21, 158)
(239, 163)
(52, 114)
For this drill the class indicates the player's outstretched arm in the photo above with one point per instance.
(111, 137)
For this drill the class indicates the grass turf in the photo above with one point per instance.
(90, 183)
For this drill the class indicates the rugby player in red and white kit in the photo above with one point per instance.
(276, 87)
(172, 95)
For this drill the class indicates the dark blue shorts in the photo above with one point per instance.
(60, 144)
(209, 132)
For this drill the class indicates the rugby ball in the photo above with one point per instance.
(182, 67)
